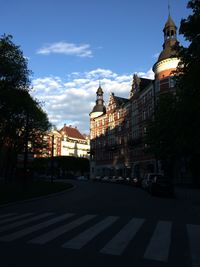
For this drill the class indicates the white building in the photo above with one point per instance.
(73, 143)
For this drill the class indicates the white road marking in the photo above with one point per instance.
(16, 218)
(19, 223)
(121, 240)
(158, 248)
(7, 215)
(61, 230)
(31, 229)
(86, 236)
(194, 239)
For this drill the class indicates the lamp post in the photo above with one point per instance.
(26, 136)
(52, 155)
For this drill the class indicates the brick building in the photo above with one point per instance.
(117, 132)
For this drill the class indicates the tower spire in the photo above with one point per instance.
(169, 7)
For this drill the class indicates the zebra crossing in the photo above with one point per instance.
(47, 227)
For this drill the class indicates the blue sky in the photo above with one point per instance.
(72, 44)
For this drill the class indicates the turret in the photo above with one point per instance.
(167, 60)
(99, 108)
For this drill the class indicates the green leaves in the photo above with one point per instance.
(174, 133)
(13, 65)
(22, 120)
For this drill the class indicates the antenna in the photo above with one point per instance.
(169, 7)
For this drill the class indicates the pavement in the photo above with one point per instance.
(100, 224)
(191, 195)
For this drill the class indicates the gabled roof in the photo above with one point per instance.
(144, 82)
(72, 132)
(120, 100)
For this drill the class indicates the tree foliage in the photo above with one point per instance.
(189, 87)
(188, 81)
(22, 119)
(13, 65)
(175, 131)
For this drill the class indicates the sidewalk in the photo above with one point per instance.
(188, 194)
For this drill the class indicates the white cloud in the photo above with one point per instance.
(71, 101)
(82, 50)
(100, 73)
(149, 74)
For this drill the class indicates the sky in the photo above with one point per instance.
(71, 45)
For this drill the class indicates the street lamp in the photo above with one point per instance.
(52, 155)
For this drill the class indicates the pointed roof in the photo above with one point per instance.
(139, 84)
(72, 132)
(170, 23)
(119, 101)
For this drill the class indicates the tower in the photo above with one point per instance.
(99, 108)
(167, 61)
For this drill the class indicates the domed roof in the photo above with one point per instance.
(168, 51)
(99, 108)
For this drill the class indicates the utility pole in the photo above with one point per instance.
(26, 150)
(52, 159)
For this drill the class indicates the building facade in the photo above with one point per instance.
(117, 132)
(67, 141)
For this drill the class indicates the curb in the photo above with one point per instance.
(38, 198)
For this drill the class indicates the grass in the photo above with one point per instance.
(16, 191)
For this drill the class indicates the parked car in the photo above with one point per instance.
(148, 178)
(119, 179)
(97, 178)
(161, 186)
(128, 180)
(105, 179)
(82, 178)
(136, 181)
(113, 179)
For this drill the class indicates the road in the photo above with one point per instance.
(100, 224)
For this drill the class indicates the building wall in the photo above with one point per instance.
(142, 110)
(60, 145)
(118, 137)
(109, 146)
(74, 148)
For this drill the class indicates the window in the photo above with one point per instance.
(171, 82)
(144, 115)
(157, 86)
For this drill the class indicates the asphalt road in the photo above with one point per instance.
(100, 224)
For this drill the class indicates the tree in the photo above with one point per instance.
(14, 72)
(189, 89)
(22, 120)
(174, 133)
(162, 134)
